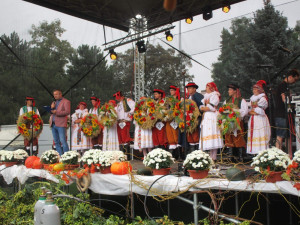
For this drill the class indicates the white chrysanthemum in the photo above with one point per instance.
(198, 160)
(158, 158)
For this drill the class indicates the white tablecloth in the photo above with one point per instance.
(110, 184)
(22, 174)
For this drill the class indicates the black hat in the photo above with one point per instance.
(233, 86)
(191, 84)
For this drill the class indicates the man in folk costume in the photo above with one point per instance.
(159, 130)
(235, 141)
(125, 110)
(172, 129)
(29, 107)
(79, 141)
(193, 139)
(96, 141)
(259, 131)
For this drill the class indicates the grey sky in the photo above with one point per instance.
(17, 15)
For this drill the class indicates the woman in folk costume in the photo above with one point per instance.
(210, 137)
(79, 140)
(235, 141)
(110, 135)
(259, 131)
(96, 141)
(143, 140)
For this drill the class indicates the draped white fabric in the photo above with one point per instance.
(110, 184)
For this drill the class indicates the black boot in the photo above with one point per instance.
(241, 154)
(191, 149)
(175, 153)
(181, 154)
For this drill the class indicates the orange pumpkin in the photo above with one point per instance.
(120, 168)
(37, 164)
(30, 160)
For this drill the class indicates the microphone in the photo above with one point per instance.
(284, 49)
(264, 66)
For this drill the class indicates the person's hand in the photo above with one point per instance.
(77, 121)
(205, 109)
(53, 105)
(53, 111)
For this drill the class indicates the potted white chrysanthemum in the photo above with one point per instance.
(88, 160)
(70, 159)
(198, 163)
(271, 162)
(107, 158)
(159, 160)
(20, 155)
(8, 158)
(49, 157)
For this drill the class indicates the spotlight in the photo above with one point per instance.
(226, 7)
(207, 13)
(141, 46)
(113, 54)
(189, 20)
(169, 36)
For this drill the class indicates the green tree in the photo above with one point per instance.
(13, 77)
(163, 67)
(98, 83)
(250, 43)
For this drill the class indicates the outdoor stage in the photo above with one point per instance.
(168, 187)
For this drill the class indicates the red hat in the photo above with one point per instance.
(118, 95)
(31, 99)
(260, 85)
(82, 103)
(192, 84)
(160, 91)
(177, 91)
(97, 100)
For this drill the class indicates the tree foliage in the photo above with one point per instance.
(252, 42)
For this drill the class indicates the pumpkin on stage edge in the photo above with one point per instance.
(30, 160)
(37, 164)
(120, 168)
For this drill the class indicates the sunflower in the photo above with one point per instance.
(152, 110)
(26, 133)
(89, 133)
(23, 126)
(85, 130)
(38, 127)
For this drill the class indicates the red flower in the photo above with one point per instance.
(188, 124)
(35, 116)
(268, 168)
(176, 114)
(230, 115)
(152, 118)
(220, 121)
(221, 110)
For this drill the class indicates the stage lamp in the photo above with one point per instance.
(226, 7)
(113, 54)
(169, 36)
(189, 20)
(141, 46)
(207, 13)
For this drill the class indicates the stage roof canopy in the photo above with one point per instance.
(117, 13)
